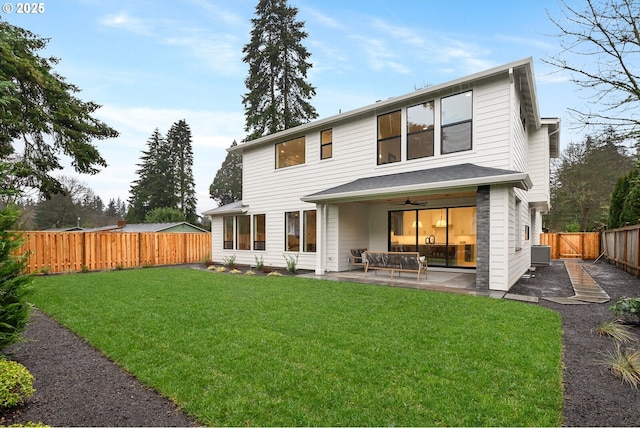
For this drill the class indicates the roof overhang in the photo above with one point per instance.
(436, 180)
(230, 209)
(553, 124)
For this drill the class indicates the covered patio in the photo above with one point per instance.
(446, 281)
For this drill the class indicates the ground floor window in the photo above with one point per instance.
(292, 230)
(227, 232)
(445, 236)
(259, 232)
(310, 231)
(243, 240)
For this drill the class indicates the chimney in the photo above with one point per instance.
(121, 223)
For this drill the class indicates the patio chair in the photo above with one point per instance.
(355, 257)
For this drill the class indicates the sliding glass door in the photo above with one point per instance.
(445, 236)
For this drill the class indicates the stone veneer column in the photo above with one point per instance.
(483, 236)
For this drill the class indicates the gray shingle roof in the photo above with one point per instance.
(427, 179)
(236, 207)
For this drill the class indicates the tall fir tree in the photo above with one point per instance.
(227, 185)
(279, 94)
(179, 139)
(154, 188)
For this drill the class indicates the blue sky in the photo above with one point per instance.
(152, 63)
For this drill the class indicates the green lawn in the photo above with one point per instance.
(239, 350)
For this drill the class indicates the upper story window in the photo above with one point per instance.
(389, 129)
(456, 115)
(326, 144)
(420, 119)
(290, 153)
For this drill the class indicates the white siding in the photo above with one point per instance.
(499, 141)
(499, 237)
(518, 135)
(539, 165)
(519, 257)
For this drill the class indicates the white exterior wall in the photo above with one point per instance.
(499, 201)
(271, 191)
(539, 161)
(519, 255)
(498, 141)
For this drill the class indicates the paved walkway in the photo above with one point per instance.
(586, 289)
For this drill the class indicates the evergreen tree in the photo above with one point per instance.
(227, 185)
(625, 200)
(14, 308)
(279, 94)
(617, 201)
(164, 215)
(41, 112)
(154, 188)
(112, 210)
(179, 139)
(577, 195)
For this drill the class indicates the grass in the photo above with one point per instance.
(235, 350)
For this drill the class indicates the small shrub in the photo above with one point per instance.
(259, 263)
(624, 363)
(291, 262)
(85, 269)
(619, 332)
(16, 383)
(206, 259)
(230, 262)
(572, 227)
(627, 307)
(45, 270)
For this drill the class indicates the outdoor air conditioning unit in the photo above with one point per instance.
(540, 255)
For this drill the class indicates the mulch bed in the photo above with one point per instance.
(78, 386)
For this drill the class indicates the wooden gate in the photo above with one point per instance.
(565, 245)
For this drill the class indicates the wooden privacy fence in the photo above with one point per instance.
(579, 245)
(78, 251)
(621, 247)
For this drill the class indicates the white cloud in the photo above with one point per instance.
(124, 21)
(221, 53)
(323, 19)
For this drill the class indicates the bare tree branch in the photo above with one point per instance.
(601, 50)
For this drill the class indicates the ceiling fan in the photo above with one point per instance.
(414, 203)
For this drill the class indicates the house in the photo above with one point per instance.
(173, 227)
(457, 171)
